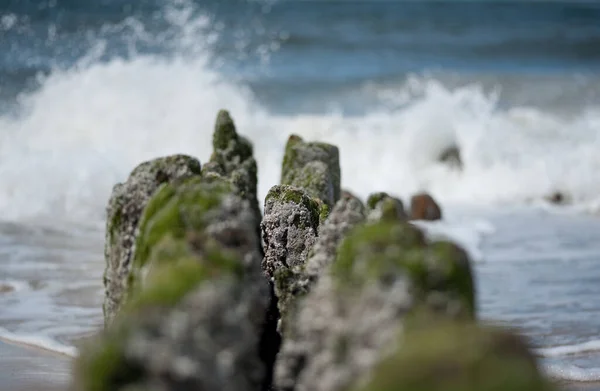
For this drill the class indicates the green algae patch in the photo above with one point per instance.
(102, 366)
(375, 199)
(323, 213)
(452, 356)
(372, 251)
(176, 209)
(290, 194)
(448, 263)
(440, 273)
(168, 282)
(314, 167)
(225, 132)
(175, 212)
(159, 167)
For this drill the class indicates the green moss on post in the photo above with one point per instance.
(168, 282)
(314, 167)
(175, 211)
(440, 273)
(287, 194)
(375, 199)
(458, 357)
(225, 131)
(371, 251)
(448, 262)
(101, 365)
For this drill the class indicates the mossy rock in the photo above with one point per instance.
(110, 362)
(313, 166)
(383, 206)
(102, 365)
(457, 357)
(232, 158)
(179, 212)
(290, 194)
(375, 198)
(370, 252)
(125, 207)
(440, 273)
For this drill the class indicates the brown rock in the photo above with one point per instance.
(424, 207)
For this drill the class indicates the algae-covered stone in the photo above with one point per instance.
(289, 228)
(233, 159)
(125, 207)
(383, 272)
(203, 218)
(347, 213)
(382, 206)
(189, 328)
(313, 166)
(292, 284)
(457, 357)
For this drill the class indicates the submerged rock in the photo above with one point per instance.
(314, 167)
(344, 326)
(451, 157)
(424, 207)
(444, 356)
(383, 206)
(125, 207)
(558, 198)
(233, 158)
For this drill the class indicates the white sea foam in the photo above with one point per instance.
(572, 373)
(86, 127)
(566, 350)
(38, 341)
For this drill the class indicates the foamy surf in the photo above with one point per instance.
(572, 373)
(110, 115)
(567, 350)
(38, 342)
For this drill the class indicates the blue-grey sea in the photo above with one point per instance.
(89, 89)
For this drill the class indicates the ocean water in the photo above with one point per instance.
(90, 89)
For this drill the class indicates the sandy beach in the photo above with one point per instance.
(24, 368)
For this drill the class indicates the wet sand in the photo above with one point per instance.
(24, 368)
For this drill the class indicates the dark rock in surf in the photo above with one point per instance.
(451, 157)
(424, 207)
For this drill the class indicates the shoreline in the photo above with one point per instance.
(25, 367)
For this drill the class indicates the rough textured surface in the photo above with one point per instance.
(289, 228)
(457, 357)
(383, 206)
(294, 283)
(124, 209)
(233, 158)
(345, 325)
(206, 341)
(314, 167)
(424, 207)
(197, 237)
